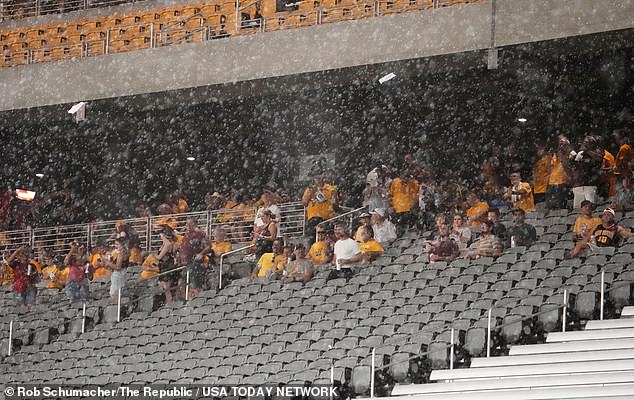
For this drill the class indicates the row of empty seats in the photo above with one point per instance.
(194, 22)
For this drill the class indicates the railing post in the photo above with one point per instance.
(602, 292)
(83, 320)
(119, 306)
(452, 348)
(38, 7)
(222, 258)
(10, 337)
(107, 41)
(304, 221)
(372, 374)
(489, 334)
(332, 378)
(148, 235)
(31, 237)
(187, 287)
(89, 233)
(563, 325)
(208, 226)
(238, 22)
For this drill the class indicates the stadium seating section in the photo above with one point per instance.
(184, 23)
(255, 333)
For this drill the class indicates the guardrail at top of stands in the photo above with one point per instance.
(239, 221)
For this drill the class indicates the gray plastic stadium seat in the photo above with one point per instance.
(620, 293)
(513, 328)
(550, 319)
(399, 369)
(475, 341)
(438, 354)
(361, 379)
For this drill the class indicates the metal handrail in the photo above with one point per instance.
(222, 260)
(180, 21)
(339, 216)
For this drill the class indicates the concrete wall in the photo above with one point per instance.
(325, 47)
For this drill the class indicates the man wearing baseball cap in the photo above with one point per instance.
(586, 223)
(606, 234)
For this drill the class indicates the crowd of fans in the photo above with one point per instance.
(465, 220)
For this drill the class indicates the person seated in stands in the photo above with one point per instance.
(364, 218)
(299, 269)
(521, 233)
(557, 188)
(624, 198)
(429, 200)
(267, 204)
(370, 248)
(384, 229)
(266, 235)
(178, 203)
(585, 170)
(541, 172)
(378, 182)
(346, 253)
(320, 200)
(220, 245)
(459, 232)
(477, 210)
(97, 258)
(79, 273)
(414, 169)
(606, 234)
(166, 257)
(131, 239)
(404, 196)
(487, 245)
(270, 263)
(444, 247)
(320, 252)
(607, 179)
(118, 263)
(165, 210)
(150, 267)
(520, 193)
(143, 210)
(214, 201)
(499, 229)
(25, 277)
(194, 241)
(585, 223)
(56, 274)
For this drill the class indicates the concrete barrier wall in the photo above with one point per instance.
(388, 38)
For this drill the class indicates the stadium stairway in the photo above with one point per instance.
(400, 305)
(597, 362)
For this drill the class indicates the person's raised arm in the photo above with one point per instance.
(70, 254)
(165, 249)
(14, 254)
(306, 196)
(624, 233)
